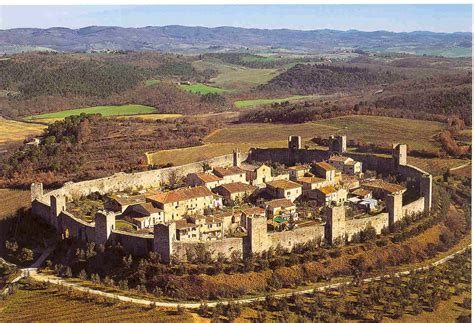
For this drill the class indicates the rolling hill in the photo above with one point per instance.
(182, 38)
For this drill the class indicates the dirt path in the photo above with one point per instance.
(193, 305)
(459, 167)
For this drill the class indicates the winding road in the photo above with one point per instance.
(32, 273)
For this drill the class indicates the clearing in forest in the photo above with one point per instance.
(105, 110)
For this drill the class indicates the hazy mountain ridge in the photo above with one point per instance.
(182, 38)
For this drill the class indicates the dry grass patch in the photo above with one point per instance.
(12, 200)
(16, 131)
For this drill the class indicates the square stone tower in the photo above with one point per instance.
(399, 155)
(394, 205)
(236, 158)
(335, 228)
(104, 224)
(163, 237)
(36, 191)
(338, 144)
(257, 234)
(294, 142)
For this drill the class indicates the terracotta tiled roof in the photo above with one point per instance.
(349, 178)
(227, 171)
(284, 203)
(326, 190)
(325, 166)
(253, 211)
(181, 194)
(237, 187)
(129, 200)
(360, 192)
(300, 167)
(312, 179)
(183, 224)
(283, 184)
(150, 208)
(207, 177)
(385, 186)
(338, 158)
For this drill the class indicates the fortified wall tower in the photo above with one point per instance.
(335, 228)
(338, 144)
(104, 224)
(163, 237)
(36, 191)
(399, 155)
(58, 205)
(257, 239)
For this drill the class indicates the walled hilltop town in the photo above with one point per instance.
(243, 202)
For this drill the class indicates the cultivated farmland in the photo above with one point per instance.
(109, 110)
(383, 131)
(33, 303)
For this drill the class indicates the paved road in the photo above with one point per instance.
(59, 281)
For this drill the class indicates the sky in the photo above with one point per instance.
(398, 18)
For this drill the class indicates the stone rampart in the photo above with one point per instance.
(417, 206)
(378, 222)
(139, 180)
(288, 239)
(225, 246)
(136, 244)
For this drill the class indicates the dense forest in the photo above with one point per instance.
(90, 146)
(36, 83)
(322, 78)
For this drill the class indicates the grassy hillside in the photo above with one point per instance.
(110, 110)
(201, 88)
(234, 77)
(257, 102)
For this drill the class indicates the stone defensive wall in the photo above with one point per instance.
(52, 207)
(136, 181)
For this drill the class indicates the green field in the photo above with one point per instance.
(108, 110)
(201, 88)
(257, 102)
(234, 77)
(151, 82)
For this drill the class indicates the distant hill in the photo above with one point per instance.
(203, 39)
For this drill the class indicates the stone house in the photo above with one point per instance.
(234, 192)
(328, 195)
(230, 174)
(310, 183)
(325, 170)
(279, 206)
(349, 182)
(284, 189)
(362, 193)
(203, 179)
(345, 164)
(120, 203)
(298, 171)
(144, 215)
(184, 201)
(257, 174)
(380, 189)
